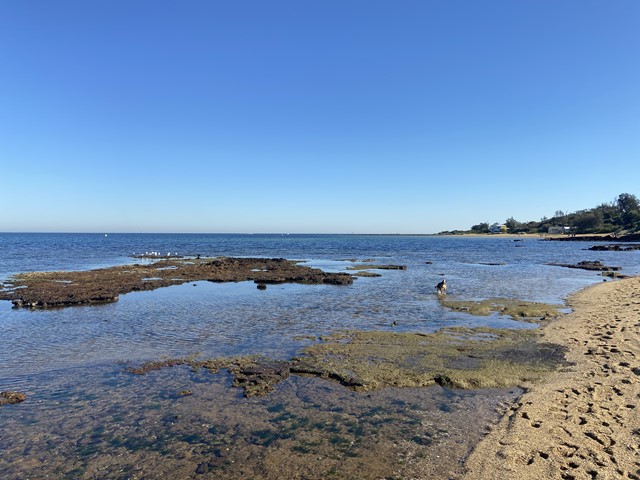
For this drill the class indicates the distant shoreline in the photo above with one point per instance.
(546, 236)
(587, 237)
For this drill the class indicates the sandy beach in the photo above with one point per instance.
(582, 422)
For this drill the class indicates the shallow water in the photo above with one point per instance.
(103, 423)
(86, 418)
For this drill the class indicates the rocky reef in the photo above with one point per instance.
(516, 309)
(256, 375)
(455, 358)
(631, 237)
(615, 247)
(588, 265)
(377, 267)
(63, 289)
(368, 360)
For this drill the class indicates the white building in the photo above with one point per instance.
(558, 230)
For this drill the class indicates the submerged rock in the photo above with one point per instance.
(366, 273)
(454, 357)
(461, 358)
(256, 375)
(587, 265)
(516, 309)
(377, 267)
(617, 275)
(259, 377)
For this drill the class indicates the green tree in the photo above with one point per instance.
(631, 219)
(587, 222)
(628, 209)
(480, 228)
(513, 225)
(627, 203)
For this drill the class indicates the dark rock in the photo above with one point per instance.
(11, 398)
(587, 265)
(262, 286)
(378, 267)
(615, 248)
(617, 275)
(632, 237)
(583, 238)
(216, 462)
(259, 378)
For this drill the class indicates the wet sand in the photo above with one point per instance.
(583, 421)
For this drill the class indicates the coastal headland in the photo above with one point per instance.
(582, 421)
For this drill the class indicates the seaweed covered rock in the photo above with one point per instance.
(516, 309)
(259, 377)
(456, 357)
(10, 398)
(63, 289)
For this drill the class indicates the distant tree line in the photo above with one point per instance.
(621, 215)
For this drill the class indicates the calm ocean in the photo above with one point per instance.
(238, 319)
(69, 360)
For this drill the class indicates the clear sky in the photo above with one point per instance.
(313, 116)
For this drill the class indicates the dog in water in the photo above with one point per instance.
(441, 288)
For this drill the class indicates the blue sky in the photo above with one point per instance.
(313, 116)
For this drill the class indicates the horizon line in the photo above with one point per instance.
(209, 233)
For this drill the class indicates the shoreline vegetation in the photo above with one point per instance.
(620, 217)
(578, 237)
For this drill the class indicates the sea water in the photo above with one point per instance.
(85, 417)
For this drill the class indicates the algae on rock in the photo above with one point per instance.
(454, 357)
(516, 309)
(367, 360)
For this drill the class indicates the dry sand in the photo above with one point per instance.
(582, 422)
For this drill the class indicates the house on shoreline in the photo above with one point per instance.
(497, 228)
(559, 230)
